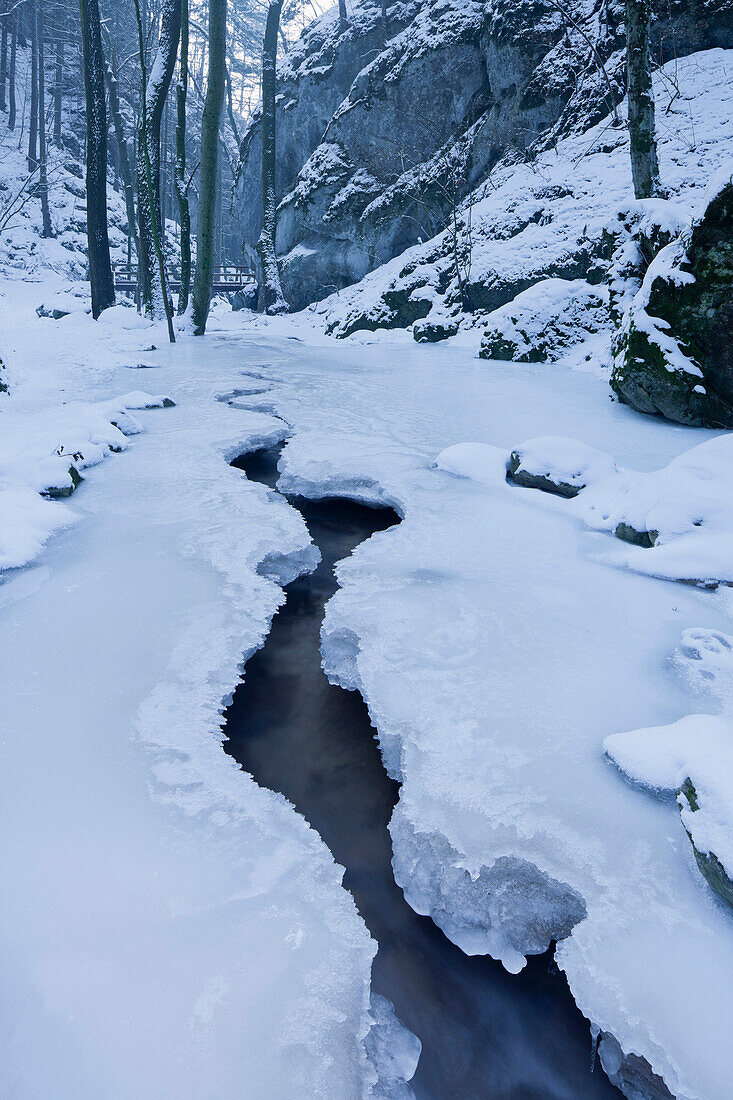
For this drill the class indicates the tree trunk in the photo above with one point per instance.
(57, 91)
(272, 295)
(33, 122)
(184, 213)
(47, 230)
(642, 138)
(209, 163)
(125, 169)
(343, 17)
(100, 269)
(11, 72)
(152, 283)
(4, 54)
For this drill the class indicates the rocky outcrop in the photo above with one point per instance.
(381, 132)
(674, 355)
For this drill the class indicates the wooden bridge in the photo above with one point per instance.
(224, 280)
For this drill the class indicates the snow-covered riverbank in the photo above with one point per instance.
(169, 928)
(172, 924)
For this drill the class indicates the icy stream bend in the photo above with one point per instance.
(484, 1033)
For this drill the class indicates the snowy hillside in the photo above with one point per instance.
(568, 214)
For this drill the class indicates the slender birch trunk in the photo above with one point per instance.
(124, 158)
(57, 91)
(158, 304)
(4, 55)
(155, 85)
(47, 230)
(11, 72)
(33, 121)
(273, 300)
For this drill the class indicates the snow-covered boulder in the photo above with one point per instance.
(681, 516)
(138, 399)
(559, 465)
(692, 758)
(541, 323)
(674, 355)
(645, 227)
(75, 299)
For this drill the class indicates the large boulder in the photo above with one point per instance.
(674, 354)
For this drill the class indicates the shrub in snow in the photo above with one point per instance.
(559, 465)
(674, 355)
(692, 758)
(542, 322)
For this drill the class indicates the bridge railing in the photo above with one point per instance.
(224, 279)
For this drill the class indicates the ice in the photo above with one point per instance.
(169, 928)
(392, 1050)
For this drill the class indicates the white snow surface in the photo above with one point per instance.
(498, 644)
(169, 928)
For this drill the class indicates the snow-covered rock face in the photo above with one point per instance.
(566, 216)
(380, 132)
(674, 355)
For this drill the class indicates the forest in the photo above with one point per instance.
(366, 549)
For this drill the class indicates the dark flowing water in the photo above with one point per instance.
(485, 1033)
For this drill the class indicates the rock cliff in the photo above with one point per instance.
(384, 129)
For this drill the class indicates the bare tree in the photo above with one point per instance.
(155, 85)
(209, 163)
(124, 158)
(42, 163)
(184, 211)
(642, 136)
(273, 299)
(11, 72)
(100, 269)
(33, 121)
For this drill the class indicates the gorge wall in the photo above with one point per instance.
(383, 130)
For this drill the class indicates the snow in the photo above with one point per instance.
(169, 928)
(565, 461)
(659, 757)
(686, 506)
(544, 321)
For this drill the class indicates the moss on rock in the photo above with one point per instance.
(710, 866)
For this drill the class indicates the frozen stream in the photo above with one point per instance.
(484, 1032)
